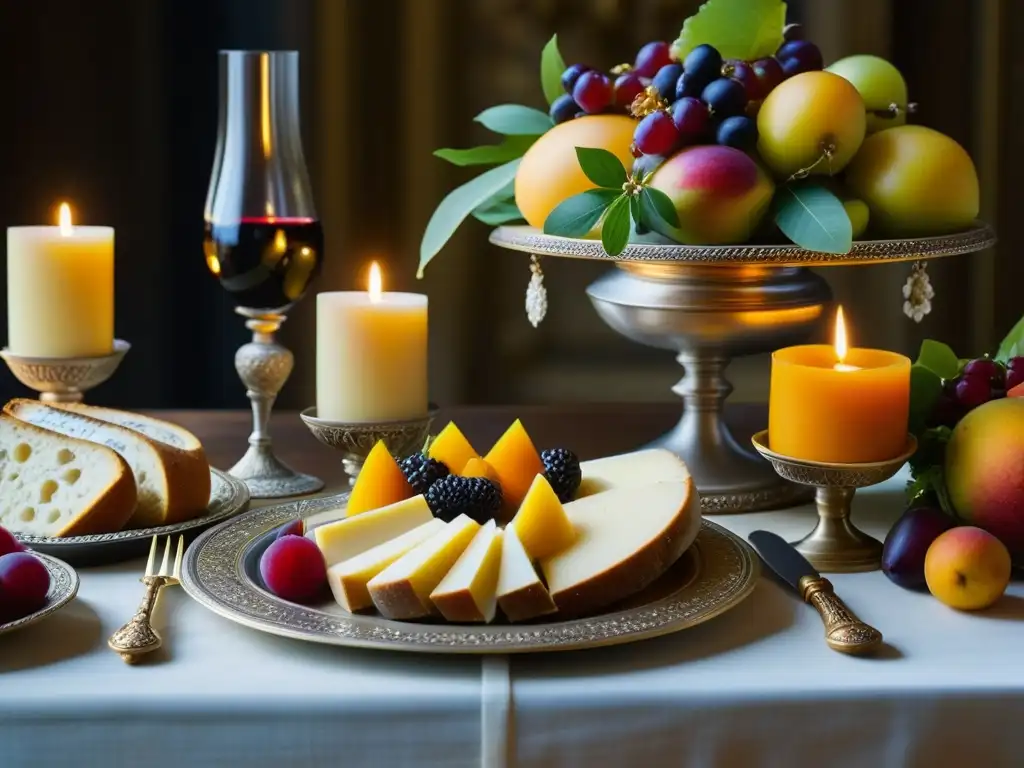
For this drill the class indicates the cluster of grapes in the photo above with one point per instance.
(706, 99)
(979, 381)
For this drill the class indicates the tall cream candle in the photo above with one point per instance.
(60, 290)
(371, 354)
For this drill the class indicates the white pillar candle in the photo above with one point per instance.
(371, 354)
(60, 290)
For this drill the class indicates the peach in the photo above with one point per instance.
(984, 470)
(967, 568)
(719, 193)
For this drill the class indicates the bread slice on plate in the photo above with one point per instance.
(172, 485)
(52, 485)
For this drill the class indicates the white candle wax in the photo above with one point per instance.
(371, 356)
(60, 290)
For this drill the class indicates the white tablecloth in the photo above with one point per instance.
(755, 687)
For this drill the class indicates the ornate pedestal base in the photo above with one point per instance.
(64, 379)
(708, 315)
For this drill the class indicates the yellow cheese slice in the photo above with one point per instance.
(348, 579)
(354, 535)
(521, 593)
(625, 539)
(629, 470)
(541, 523)
(469, 592)
(402, 590)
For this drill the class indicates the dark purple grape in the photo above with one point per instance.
(739, 132)
(1014, 377)
(8, 543)
(1015, 363)
(799, 56)
(656, 134)
(703, 63)
(725, 96)
(793, 32)
(293, 568)
(651, 58)
(769, 74)
(908, 541)
(24, 584)
(689, 86)
(296, 527)
(972, 391)
(627, 87)
(666, 79)
(692, 119)
(744, 73)
(563, 109)
(987, 369)
(593, 92)
(947, 412)
(571, 75)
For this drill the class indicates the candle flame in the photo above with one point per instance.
(64, 219)
(376, 283)
(840, 343)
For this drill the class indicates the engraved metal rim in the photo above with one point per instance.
(121, 348)
(64, 583)
(760, 442)
(308, 416)
(212, 575)
(229, 496)
(533, 241)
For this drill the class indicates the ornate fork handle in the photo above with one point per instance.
(137, 637)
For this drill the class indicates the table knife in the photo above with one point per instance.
(844, 632)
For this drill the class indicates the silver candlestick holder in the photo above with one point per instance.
(64, 379)
(264, 366)
(356, 440)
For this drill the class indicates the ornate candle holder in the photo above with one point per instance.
(264, 366)
(64, 379)
(836, 545)
(355, 441)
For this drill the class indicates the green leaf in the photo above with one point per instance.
(498, 212)
(939, 359)
(925, 390)
(1013, 344)
(636, 214)
(615, 229)
(551, 68)
(932, 479)
(515, 120)
(576, 216)
(813, 218)
(489, 154)
(651, 217)
(662, 203)
(739, 29)
(457, 205)
(601, 167)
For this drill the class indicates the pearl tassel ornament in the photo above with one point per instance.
(536, 294)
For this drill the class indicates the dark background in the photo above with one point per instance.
(111, 105)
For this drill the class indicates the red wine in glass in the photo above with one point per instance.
(265, 262)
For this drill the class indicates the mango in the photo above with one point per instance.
(516, 462)
(550, 173)
(452, 449)
(915, 181)
(380, 482)
(541, 523)
(720, 194)
(480, 468)
(967, 568)
(803, 116)
(984, 470)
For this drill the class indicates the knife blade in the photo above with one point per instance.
(844, 632)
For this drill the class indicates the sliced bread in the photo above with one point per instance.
(172, 485)
(52, 485)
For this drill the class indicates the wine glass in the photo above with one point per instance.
(263, 240)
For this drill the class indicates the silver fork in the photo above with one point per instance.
(137, 637)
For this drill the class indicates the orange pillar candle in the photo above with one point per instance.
(838, 405)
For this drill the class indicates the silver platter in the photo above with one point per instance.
(63, 588)
(228, 497)
(533, 241)
(221, 572)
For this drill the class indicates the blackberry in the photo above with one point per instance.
(475, 497)
(562, 469)
(422, 471)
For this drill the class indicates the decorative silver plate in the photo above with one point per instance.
(221, 572)
(228, 497)
(533, 241)
(63, 588)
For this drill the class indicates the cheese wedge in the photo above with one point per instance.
(541, 522)
(521, 594)
(625, 539)
(629, 470)
(351, 536)
(402, 590)
(469, 592)
(348, 579)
